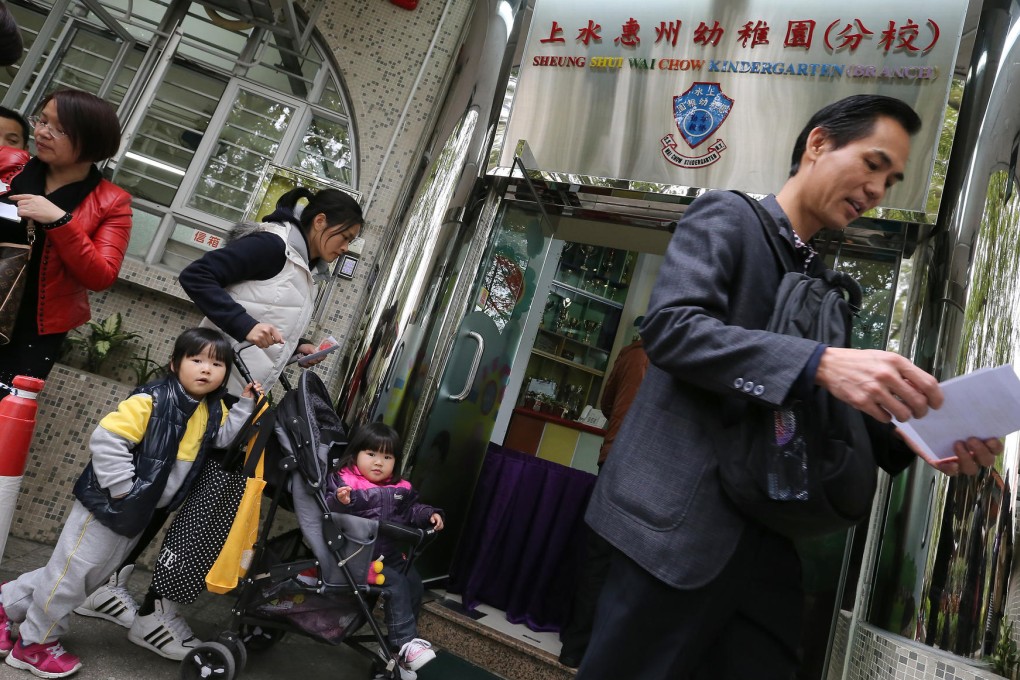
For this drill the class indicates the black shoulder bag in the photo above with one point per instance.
(806, 469)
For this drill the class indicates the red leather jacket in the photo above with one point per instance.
(84, 254)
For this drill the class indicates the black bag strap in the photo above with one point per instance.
(781, 249)
(265, 427)
(237, 447)
(780, 246)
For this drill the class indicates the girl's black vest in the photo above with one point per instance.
(154, 457)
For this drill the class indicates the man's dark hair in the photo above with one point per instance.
(11, 44)
(851, 119)
(14, 115)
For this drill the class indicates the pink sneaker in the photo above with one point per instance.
(7, 636)
(415, 654)
(45, 660)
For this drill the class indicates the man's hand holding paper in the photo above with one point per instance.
(965, 433)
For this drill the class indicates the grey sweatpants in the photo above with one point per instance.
(86, 553)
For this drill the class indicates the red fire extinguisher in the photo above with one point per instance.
(17, 422)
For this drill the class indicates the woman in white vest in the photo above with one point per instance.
(259, 288)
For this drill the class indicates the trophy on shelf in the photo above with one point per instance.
(573, 401)
(586, 271)
(607, 270)
(561, 318)
(607, 265)
(625, 274)
(590, 326)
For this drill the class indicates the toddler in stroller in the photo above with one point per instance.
(314, 580)
(368, 485)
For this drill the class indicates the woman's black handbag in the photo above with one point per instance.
(196, 536)
(14, 259)
(198, 532)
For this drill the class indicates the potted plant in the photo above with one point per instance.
(99, 339)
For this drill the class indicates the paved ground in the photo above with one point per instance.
(108, 655)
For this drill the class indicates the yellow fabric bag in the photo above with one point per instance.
(236, 556)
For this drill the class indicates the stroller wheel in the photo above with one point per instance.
(208, 660)
(258, 638)
(236, 647)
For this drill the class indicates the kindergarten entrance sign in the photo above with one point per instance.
(709, 94)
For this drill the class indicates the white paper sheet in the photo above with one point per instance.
(984, 403)
(9, 212)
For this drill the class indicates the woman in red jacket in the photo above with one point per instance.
(77, 222)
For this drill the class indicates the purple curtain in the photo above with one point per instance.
(524, 539)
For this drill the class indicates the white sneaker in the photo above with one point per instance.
(404, 674)
(112, 601)
(164, 631)
(415, 654)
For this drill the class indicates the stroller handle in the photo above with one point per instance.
(243, 367)
(401, 531)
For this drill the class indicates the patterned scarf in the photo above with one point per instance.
(804, 250)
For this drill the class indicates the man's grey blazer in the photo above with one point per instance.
(658, 497)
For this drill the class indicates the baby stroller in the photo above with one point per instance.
(311, 580)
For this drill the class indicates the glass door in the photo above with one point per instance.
(449, 455)
(832, 563)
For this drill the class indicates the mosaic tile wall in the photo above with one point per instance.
(380, 49)
(878, 655)
(839, 643)
(70, 405)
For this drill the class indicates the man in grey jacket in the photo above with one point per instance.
(696, 590)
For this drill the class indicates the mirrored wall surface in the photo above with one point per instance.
(943, 574)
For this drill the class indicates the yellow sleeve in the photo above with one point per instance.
(131, 418)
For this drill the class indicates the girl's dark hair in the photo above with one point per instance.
(194, 340)
(374, 437)
(90, 123)
(11, 43)
(340, 209)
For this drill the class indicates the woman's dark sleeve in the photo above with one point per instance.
(256, 257)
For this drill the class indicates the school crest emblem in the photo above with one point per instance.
(699, 112)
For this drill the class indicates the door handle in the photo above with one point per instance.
(475, 362)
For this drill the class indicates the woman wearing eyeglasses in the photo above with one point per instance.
(77, 222)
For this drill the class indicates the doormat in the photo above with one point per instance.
(446, 666)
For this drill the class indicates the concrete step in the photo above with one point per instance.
(447, 625)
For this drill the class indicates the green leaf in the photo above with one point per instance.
(102, 347)
(112, 324)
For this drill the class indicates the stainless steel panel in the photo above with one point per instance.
(418, 294)
(584, 118)
(943, 571)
